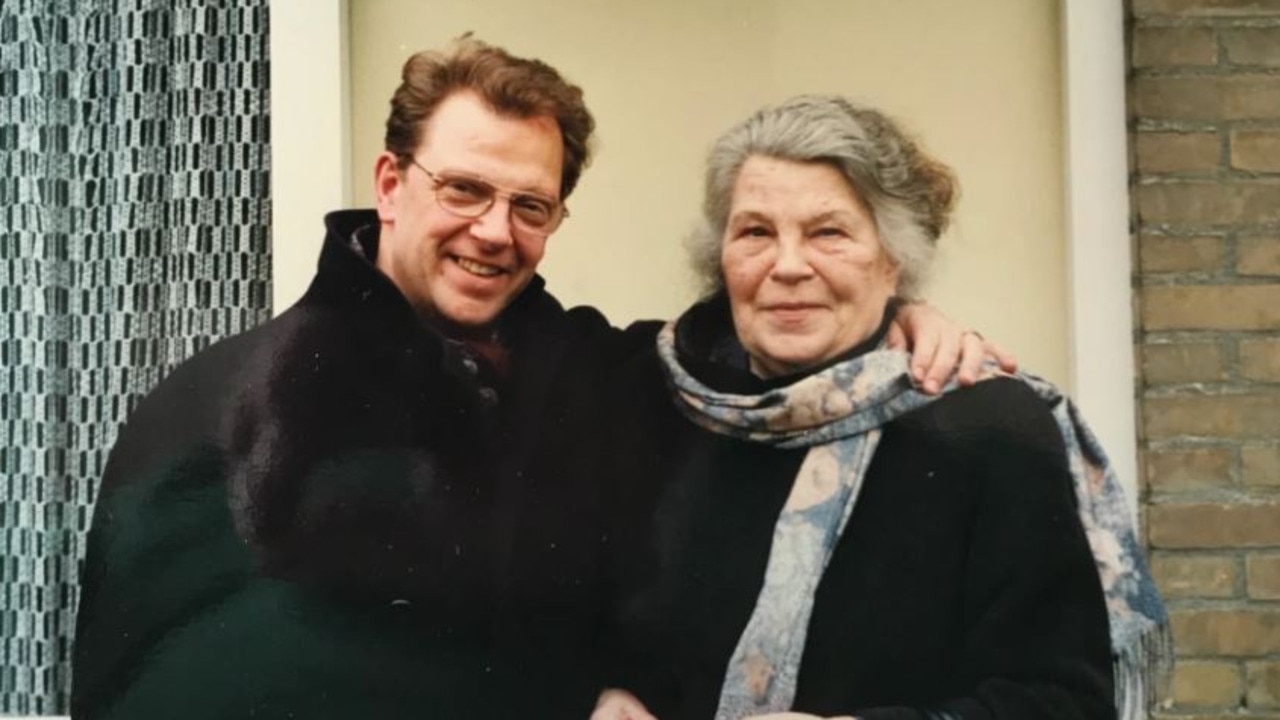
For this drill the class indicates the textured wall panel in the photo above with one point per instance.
(134, 217)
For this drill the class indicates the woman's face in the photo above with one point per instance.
(806, 273)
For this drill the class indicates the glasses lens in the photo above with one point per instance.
(532, 212)
(469, 197)
(464, 195)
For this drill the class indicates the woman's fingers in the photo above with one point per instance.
(618, 704)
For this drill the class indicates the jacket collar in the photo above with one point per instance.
(346, 272)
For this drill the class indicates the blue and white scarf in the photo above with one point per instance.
(837, 413)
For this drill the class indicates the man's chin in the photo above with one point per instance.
(471, 312)
(469, 320)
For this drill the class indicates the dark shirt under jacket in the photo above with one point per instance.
(330, 517)
(963, 582)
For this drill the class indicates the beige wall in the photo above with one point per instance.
(310, 136)
(978, 81)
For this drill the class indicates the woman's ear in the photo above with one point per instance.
(388, 181)
(893, 273)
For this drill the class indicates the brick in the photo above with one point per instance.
(1256, 150)
(1194, 576)
(1253, 415)
(1206, 8)
(1258, 256)
(1182, 470)
(1211, 307)
(1263, 681)
(1160, 152)
(1207, 684)
(1253, 46)
(1176, 526)
(1260, 465)
(1163, 46)
(1207, 97)
(1183, 363)
(1263, 573)
(1245, 633)
(1202, 202)
(1260, 360)
(1160, 254)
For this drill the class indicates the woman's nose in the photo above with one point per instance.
(791, 263)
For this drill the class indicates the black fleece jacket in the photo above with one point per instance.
(321, 518)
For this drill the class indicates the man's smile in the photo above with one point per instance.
(476, 267)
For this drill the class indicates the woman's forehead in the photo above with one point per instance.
(762, 174)
(771, 185)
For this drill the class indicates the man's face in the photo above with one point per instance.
(456, 271)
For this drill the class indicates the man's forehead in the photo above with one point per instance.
(467, 134)
(466, 110)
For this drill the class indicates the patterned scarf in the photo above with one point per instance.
(837, 413)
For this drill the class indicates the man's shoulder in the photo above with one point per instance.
(590, 320)
(189, 404)
(584, 327)
(219, 365)
(186, 408)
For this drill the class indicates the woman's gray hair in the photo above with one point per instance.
(909, 194)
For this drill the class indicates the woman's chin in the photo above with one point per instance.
(785, 363)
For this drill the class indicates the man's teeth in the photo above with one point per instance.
(476, 268)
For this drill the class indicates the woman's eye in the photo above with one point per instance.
(754, 231)
(829, 232)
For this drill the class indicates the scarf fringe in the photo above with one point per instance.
(1142, 669)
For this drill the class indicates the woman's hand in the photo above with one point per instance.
(939, 347)
(617, 704)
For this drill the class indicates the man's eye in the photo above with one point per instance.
(465, 189)
(531, 206)
(754, 231)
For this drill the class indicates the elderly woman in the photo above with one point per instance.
(820, 538)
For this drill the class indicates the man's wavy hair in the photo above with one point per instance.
(511, 86)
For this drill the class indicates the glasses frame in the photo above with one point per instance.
(438, 181)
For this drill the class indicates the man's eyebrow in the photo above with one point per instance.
(452, 174)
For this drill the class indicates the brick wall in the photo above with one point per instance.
(1205, 136)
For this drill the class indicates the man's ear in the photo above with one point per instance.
(388, 183)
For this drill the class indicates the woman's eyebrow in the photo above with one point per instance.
(743, 216)
(842, 216)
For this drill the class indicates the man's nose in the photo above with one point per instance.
(493, 226)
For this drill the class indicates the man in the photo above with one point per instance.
(381, 503)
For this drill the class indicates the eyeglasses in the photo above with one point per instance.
(471, 197)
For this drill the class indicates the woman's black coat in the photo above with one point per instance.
(962, 587)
